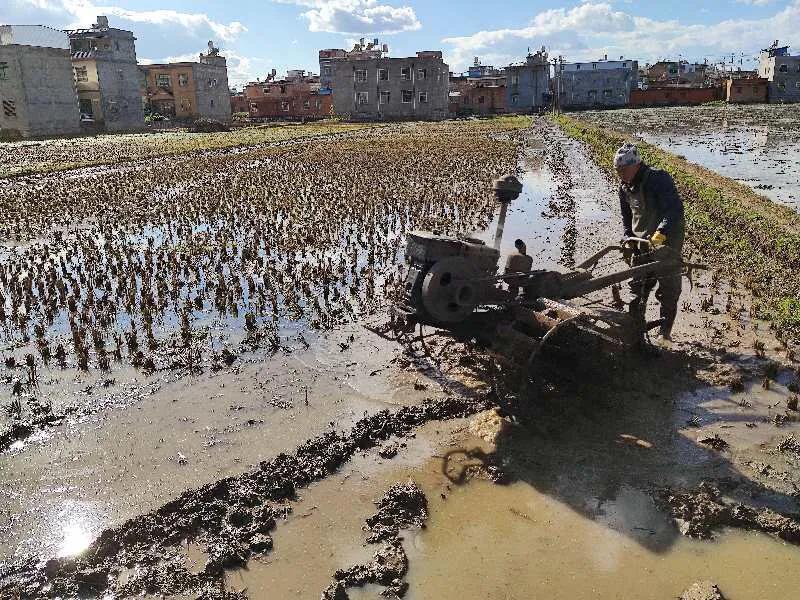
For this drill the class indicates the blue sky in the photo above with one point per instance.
(258, 35)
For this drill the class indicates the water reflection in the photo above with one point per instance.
(76, 539)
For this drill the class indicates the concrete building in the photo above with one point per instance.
(676, 72)
(478, 99)
(600, 84)
(479, 91)
(528, 84)
(190, 90)
(298, 96)
(106, 75)
(37, 92)
(746, 90)
(369, 86)
(782, 72)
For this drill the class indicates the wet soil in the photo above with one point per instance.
(258, 479)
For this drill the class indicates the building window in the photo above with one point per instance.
(608, 93)
(577, 67)
(285, 105)
(85, 107)
(212, 83)
(480, 99)
(514, 98)
(405, 73)
(211, 104)
(408, 96)
(422, 74)
(283, 89)
(81, 74)
(797, 84)
(783, 69)
(3, 71)
(362, 98)
(515, 80)
(782, 86)
(10, 108)
(267, 90)
(383, 74)
(594, 65)
(319, 104)
(163, 80)
(361, 75)
(306, 104)
(183, 79)
(326, 70)
(384, 97)
(423, 97)
(624, 65)
(592, 94)
(186, 104)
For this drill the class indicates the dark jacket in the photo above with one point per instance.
(663, 204)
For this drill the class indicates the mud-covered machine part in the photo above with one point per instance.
(450, 280)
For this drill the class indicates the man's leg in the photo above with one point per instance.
(640, 289)
(668, 295)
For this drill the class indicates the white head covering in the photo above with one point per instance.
(627, 155)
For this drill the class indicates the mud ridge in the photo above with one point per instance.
(233, 516)
(403, 506)
(699, 513)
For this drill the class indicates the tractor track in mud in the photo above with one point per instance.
(233, 516)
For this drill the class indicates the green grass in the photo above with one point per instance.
(744, 234)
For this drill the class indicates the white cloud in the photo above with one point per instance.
(356, 17)
(593, 29)
(84, 12)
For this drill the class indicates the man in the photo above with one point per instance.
(651, 209)
(518, 262)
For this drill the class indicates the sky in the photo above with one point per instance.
(259, 35)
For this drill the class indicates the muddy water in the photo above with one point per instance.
(516, 541)
(755, 145)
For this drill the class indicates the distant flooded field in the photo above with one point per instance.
(758, 145)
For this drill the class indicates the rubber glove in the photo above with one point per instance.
(658, 239)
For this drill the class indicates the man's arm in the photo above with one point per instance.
(627, 215)
(662, 188)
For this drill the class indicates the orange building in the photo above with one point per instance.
(297, 97)
(189, 90)
(747, 91)
(673, 95)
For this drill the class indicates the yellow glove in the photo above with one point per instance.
(658, 239)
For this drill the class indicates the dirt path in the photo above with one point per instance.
(596, 480)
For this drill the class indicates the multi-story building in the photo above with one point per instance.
(479, 91)
(369, 86)
(106, 76)
(37, 91)
(298, 96)
(190, 90)
(599, 84)
(528, 83)
(782, 72)
(676, 72)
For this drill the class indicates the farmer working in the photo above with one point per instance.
(651, 209)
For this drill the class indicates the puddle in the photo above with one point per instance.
(517, 541)
(757, 145)
(521, 544)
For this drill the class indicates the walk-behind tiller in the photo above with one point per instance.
(453, 283)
